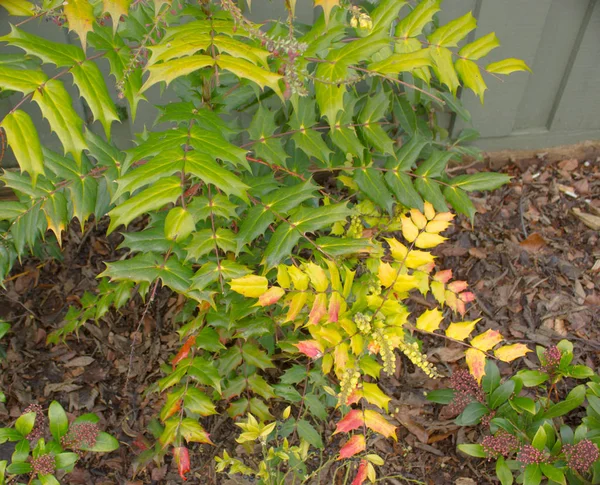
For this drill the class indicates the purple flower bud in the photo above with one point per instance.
(551, 359)
(501, 444)
(466, 390)
(581, 457)
(81, 435)
(528, 455)
(44, 465)
(39, 426)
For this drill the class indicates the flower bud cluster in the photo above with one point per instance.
(40, 424)
(348, 383)
(581, 456)
(552, 356)
(466, 390)
(355, 229)
(44, 465)
(363, 323)
(500, 444)
(81, 435)
(419, 359)
(386, 350)
(360, 20)
(528, 455)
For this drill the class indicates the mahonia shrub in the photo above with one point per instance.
(532, 429)
(270, 197)
(50, 445)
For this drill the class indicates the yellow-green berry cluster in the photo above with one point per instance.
(419, 359)
(363, 323)
(355, 229)
(386, 350)
(348, 383)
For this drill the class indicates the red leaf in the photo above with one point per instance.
(311, 348)
(353, 420)
(443, 276)
(182, 458)
(457, 286)
(318, 310)
(354, 445)
(361, 475)
(184, 351)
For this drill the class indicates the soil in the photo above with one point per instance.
(532, 259)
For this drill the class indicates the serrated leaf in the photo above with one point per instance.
(22, 137)
(471, 76)
(170, 70)
(330, 92)
(443, 66)
(246, 70)
(461, 330)
(453, 32)
(480, 181)
(335, 246)
(57, 217)
(116, 8)
(24, 81)
(403, 62)
(507, 66)
(430, 320)
(179, 224)
(256, 357)
(371, 183)
(307, 432)
(327, 6)
(460, 201)
(508, 353)
(80, 15)
(199, 403)
(430, 190)
(251, 286)
(412, 25)
(56, 106)
(163, 192)
(480, 48)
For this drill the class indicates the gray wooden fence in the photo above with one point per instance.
(557, 104)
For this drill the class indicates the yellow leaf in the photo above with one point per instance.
(487, 340)
(251, 286)
(438, 291)
(409, 230)
(379, 424)
(416, 259)
(18, 7)
(296, 304)
(327, 6)
(299, 279)
(430, 320)
(374, 395)
(427, 241)
(437, 226)
(418, 218)
(461, 330)
(386, 274)
(317, 276)
(318, 310)
(283, 277)
(508, 353)
(115, 9)
(476, 363)
(80, 15)
(406, 282)
(428, 210)
(272, 295)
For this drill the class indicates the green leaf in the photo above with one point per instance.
(19, 468)
(403, 62)
(491, 379)
(10, 210)
(507, 66)
(335, 246)
(553, 473)
(206, 169)
(471, 76)
(540, 439)
(533, 475)
(441, 396)
(24, 423)
(105, 443)
(579, 372)
(303, 220)
(307, 432)
(22, 137)
(475, 450)
(371, 183)
(460, 201)
(259, 386)
(402, 186)
(246, 70)
(572, 401)
(330, 89)
(315, 406)
(435, 165)
(80, 16)
(116, 8)
(480, 181)
(18, 7)
(472, 414)
(443, 66)
(524, 403)
(453, 32)
(56, 106)
(256, 357)
(532, 378)
(503, 472)
(4, 328)
(385, 13)
(57, 216)
(480, 48)
(412, 25)
(10, 434)
(24, 81)
(205, 372)
(21, 452)
(58, 421)
(168, 71)
(430, 190)
(65, 460)
(501, 394)
(179, 224)
(163, 192)
(199, 403)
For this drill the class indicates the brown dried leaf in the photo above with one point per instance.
(533, 243)
(80, 361)
(591, 221)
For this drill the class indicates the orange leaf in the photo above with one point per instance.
(443, 276)
(353, 420)
(476, 363)
(533, 243)
(379, 424)
(272, 295)
(335, 303)
(310, 348)
(508, 353)
(182, 458)
(354, 445)
(457, 286)
(487, 340)
(184, 351)
(361, 475)
(319, 309)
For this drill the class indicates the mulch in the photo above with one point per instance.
(532, 259)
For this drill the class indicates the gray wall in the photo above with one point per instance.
(559, 103)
